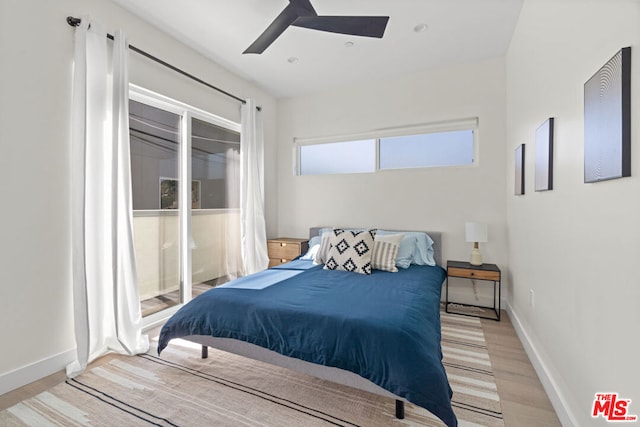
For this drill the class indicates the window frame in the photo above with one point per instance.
(471, 124)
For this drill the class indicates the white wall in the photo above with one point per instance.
(420, 199)
(577, 246)
(36, 50)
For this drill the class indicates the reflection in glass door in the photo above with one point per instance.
(155, 175)
(215, 202)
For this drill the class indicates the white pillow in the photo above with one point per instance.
(311, 253)
(385, 251)
(323, 250)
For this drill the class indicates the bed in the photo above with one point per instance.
(379, 332)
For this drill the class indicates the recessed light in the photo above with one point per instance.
(420, 28)
(348, 44)
(293, 60)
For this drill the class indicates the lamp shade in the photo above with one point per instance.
(475, 232)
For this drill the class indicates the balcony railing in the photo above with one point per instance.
(215, 253)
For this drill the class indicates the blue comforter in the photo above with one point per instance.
(385, 327)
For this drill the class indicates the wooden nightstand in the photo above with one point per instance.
(285, 249)
(487, 272)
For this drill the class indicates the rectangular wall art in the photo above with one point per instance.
(544, 156)
(519, 167)
(607, 120)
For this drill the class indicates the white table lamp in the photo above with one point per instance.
(476, 232)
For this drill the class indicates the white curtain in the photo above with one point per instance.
(107, 313)
(253, 229)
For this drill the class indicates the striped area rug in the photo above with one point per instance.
(466, 360)
(180, 389)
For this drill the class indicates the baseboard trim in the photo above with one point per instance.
(548, 383)
(35, 371)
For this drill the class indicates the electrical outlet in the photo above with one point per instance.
(531, 297)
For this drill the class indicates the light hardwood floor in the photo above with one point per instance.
(524, 402)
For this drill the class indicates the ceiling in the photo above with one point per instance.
(458, 31)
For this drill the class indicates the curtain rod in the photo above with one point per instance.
(74, 22)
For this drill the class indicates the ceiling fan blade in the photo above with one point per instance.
(273, 31)
(303, 7)
(366, 26)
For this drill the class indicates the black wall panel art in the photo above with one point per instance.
(607, 120)
(519, 167)
(544, 156)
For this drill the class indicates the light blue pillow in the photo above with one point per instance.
(423, 255)
(314, 245)
(315, 240)
(322, 231)
(415, 248)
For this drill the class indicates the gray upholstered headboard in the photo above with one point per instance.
(436, 236)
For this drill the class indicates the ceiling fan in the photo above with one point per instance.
(301, 13)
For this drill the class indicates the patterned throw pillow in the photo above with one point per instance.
(385, 251)
(351, 251)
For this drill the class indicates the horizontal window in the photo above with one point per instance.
(338, 157)
(427, 150)
(437, 145)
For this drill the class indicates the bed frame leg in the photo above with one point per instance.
(400, 409)
(205, 351)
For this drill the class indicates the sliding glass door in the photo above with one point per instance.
(155, 178)
(215, 213)
(185, 168)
